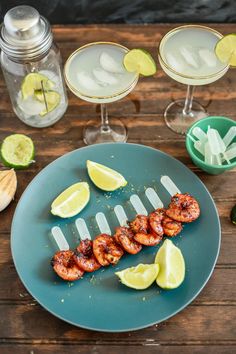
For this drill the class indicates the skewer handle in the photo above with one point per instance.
(102, 223)
(82, 229)
(121, 216)
(59, 238)
(153, 198)
(169, 185)
(138, 205)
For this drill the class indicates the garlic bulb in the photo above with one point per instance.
(8, 183)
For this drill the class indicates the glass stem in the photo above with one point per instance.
(104, 118)
(189, 100)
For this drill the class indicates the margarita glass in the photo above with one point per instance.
(95, 73)
(187, 55)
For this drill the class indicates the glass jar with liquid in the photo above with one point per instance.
(32, 68)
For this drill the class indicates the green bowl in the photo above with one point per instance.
(222, 124)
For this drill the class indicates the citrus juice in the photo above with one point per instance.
(96, 73)
(187, 54)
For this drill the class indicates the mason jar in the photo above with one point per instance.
(32, 67)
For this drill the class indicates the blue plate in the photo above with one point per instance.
(99, 301)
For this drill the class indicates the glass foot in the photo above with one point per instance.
(178, 121)
(94, 133)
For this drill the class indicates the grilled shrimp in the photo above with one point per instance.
(155, 220)
(106, 250)
(139, 224)
(64, 265)
(171, 227)
(183, 208)
(158, 219)
(84, 257)
(150, 239)
(125, 237)
(143, 234)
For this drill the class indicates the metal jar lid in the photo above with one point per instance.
(25, 35)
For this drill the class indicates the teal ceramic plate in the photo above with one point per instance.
(99, 301)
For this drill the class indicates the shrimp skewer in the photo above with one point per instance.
(169, 226)
(183, 208)
(123, 234)
(125, 237)
(143, 233)
(63, 261)
(104, 250)
(84, 257)
(155, 220)
(140, 226)
(150, 239)
(64, 265)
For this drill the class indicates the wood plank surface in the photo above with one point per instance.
(208, 324)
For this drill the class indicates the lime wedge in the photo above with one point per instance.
(52, 99)
(104, 177)
(172, 266)
(35, 81)
(141, 61)
(139, 277)
(71, 201)
(225, 49)
(17, 151)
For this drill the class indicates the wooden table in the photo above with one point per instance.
(206, 325)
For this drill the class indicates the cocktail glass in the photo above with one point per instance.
(95, 73)
(186, 54)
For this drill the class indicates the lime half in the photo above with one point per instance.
(225, 49)
(139, 277)
(17, 151)
(141, 61)
(33, 82)
(172, 266)
(104, 177)
(71, 201)
(52, 99)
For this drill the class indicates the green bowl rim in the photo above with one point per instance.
(191, 152)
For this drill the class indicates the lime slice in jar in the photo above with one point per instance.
(50, 98)
(33, 82)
